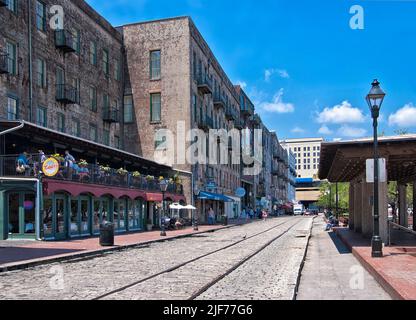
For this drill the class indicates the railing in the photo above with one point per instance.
(4, 63)
(219, 100)
(247, 110)
(64, 40)
(230, 113)
(66, 94)
(11, 167)
(392, 225)
(204, 83)
(111, 115)
(205, 123)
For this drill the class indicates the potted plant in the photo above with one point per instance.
(58, 157)
(136, 174)
(122, 172)
(105, 169)
(83, 163)
(150, 178)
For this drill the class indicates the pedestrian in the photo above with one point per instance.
(211, 216)
(69, 160)
(243, 214)
(251, 213)
(264, 215)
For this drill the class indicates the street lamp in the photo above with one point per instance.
(375, 100)
(163, 184)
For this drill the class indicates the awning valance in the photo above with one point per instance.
(203, 195)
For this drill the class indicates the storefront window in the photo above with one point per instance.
(85, 213)
(131, 215)
(60, 216)
(122, 215)
(47, 218)
(96, 219)
(74, 222)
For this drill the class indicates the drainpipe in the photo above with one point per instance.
(20, 126)
(29, 26)
(37, 210)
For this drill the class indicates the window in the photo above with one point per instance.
(117, 73)
(77, 41)
(61, 122)
(40, 16)
(41, 117)
(106, 137)
(41, 73)
(155, 65)
(76, 127)
(12, 58)
(93, 99)
(12, 109)
(93, 133)
(12, 5)
(128, 109)
(117, 142)
(155, 107)
(93, 53)
(106, 66)
(159, 142)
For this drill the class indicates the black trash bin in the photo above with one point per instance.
(225, 220)
(107, 234)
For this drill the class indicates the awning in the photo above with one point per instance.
(214, 196)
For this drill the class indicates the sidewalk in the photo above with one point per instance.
(329, 269)
(24, 254)
(396, 272)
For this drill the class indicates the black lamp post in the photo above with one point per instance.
(375, 100)
(163, 184)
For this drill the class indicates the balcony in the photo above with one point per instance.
(66, 94)
(64, 40)
(3, 3)
(111, 115)
(205, 123)
(89, 174)
(4, 63)
(247, 109)
(255, 119)
(219, 101)
(275, 170)
(204, 84)
(239, 124)
(230, 113)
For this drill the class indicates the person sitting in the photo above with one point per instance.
(178, 225)
(23, 165)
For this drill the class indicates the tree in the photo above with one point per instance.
(328, 196)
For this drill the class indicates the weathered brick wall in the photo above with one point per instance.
(78, 16)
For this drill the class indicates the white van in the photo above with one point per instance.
(298, 210)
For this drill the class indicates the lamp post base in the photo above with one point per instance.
(377, 247)
(163, 234)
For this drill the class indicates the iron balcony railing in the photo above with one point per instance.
(66, 94)
(247, 109)
(204, 84)
(230, 113)
(4, 63)
(205, 123)
(111, 115)
(219, 100)
(11, 167)
(64, 40)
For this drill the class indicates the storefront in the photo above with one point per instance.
(72, 203)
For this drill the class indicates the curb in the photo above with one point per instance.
(30, 264)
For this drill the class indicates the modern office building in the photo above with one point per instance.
(307, 153)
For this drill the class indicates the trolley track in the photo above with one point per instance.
(211, 283)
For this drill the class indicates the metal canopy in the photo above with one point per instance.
(343, 161)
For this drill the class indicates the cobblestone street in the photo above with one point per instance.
(200, 267)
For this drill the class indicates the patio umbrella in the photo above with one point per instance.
(189, 207)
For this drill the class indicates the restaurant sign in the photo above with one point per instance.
(50, 167)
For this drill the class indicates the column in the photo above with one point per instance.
(358, 206)
(414, 205)
(403, 217)
(383, 207)
(367, 209)
(351, 209)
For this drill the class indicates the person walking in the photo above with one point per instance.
(211, 216)
(264, 215)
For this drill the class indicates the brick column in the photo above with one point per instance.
(368, 210)
(358, 207)
(403, 217)
(352, 202)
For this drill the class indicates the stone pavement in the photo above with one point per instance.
(21, 254)
(396, 271)
(331, 272)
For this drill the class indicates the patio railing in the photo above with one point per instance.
(10, 166)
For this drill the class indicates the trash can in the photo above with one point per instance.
(225, 220)
(107, 234)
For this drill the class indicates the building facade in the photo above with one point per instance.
(307, 153)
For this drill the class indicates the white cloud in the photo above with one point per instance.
(242, 84)
(268, 73)
(324, 130)
(277, 105)
(298, 130)
(337, 139)
(351, 132)
(404, 117)
(341, 114)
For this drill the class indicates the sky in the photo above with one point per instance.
(300, 61)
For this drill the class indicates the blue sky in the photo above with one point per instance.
(304, 67)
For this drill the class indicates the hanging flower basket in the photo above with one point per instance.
(83, 163)
(58, 157)
(105, 169)
(122, 172)
(150, 178)
(136, 174)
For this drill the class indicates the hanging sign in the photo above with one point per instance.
(50, 167)
(382, 172)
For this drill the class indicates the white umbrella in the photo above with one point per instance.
(189, 207)
(176, 206)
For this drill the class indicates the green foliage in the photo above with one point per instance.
(328, 196)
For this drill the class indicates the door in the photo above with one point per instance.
(60, 228)
(21, 215)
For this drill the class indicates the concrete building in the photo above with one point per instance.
(175, 79)
(307, 153)
(291, 184)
